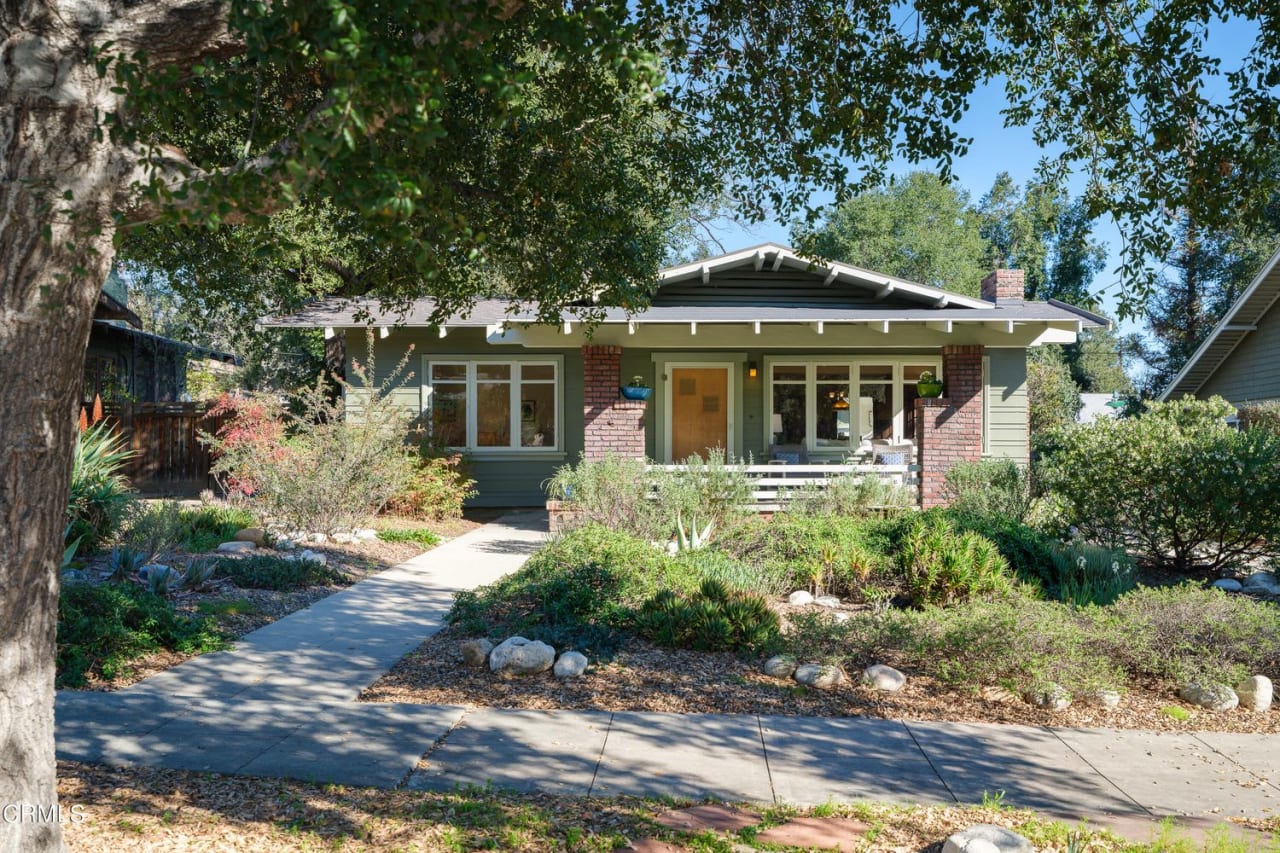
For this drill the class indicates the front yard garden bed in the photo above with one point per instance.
(114, 631)
(644, 677)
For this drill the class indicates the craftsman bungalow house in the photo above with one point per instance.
(758, 351)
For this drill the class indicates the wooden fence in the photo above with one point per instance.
(164, 440)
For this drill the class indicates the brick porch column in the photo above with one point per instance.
(949, 428)
(612, 425)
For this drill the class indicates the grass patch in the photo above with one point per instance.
(1176, 712)
(419, 536)
(205, 528)
(102, 629)
(277, 573)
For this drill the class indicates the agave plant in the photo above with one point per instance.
(100, 493)
(162, 580)
(196, 573)
(126, 561)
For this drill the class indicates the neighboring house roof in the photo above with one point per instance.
(761, 284)
(1240, 321)
(110, 308)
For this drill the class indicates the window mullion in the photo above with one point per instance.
(515, 437)
(473, 398)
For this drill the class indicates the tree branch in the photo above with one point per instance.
(176, 31)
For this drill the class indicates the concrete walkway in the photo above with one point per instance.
(283, 704)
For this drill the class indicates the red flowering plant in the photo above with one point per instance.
(319, 462)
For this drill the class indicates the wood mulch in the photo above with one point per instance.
(643, 677)
(115, 809)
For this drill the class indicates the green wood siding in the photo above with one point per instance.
(1007, 431)
(511, 478)
(1249, 373)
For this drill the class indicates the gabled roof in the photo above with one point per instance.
(768, 283)
(774, 258)
(1240, 321)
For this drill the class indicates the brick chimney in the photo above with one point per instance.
(1002, 285)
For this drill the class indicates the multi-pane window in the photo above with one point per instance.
(494, 405)
(834, 405)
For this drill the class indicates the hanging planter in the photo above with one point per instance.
(637, 390)
(928, 385)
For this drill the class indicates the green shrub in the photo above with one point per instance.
(941, 565)
(314, 465)
(1029, 553)
(577, 592)
(435, 489)
(614, 492)
(420, 536)
(688, 569)
(991, 488)
(850, 494)
(102, 628)
(1261, 415)
(829, 553)
(715, 618)
(277, 573)
(204, 528)
(155, 527)
(1177, 486)
(1090, 574)
(100, 494)
(1015, 642)
(702, 498)
(1188, 632)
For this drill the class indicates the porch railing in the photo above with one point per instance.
(774, 485)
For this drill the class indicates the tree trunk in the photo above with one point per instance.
(58, 180)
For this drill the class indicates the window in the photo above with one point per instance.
(836, 405)
(488, 405)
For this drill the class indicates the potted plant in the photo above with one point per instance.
(636, 389)
(928, 385)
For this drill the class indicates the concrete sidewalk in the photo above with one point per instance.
(283, 704)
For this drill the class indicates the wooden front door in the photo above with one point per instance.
(699, 411)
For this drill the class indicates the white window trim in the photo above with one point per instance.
(731, 368)
(470, 361)
(811, 362)
(986, 405)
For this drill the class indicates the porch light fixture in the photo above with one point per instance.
(752, 370)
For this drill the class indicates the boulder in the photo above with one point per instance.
(235, 547)
(570, 665)
(1215, 697)
(344, 538)
(310, 556)
(827, 601)
(1102, 698)
(780, 666)
(1228, 584)
(317, 538)
(286, 545)
(1255, 693)
(1264, 582)
(818, 676)
(365, 533)
(883, 677)
(476, 652)
(256, 535)
(987, 838)
(800, 597)
(1050, 697)
(518, 656)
